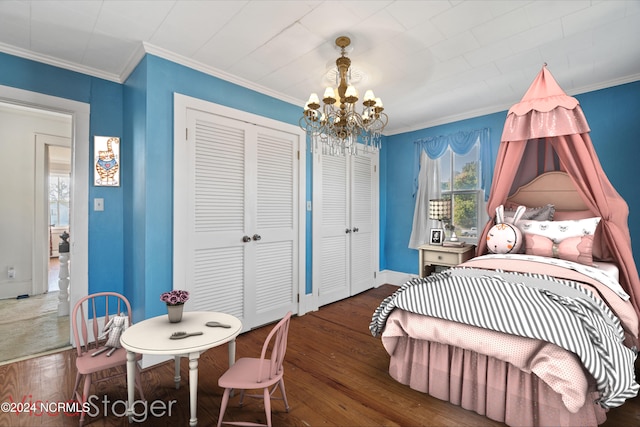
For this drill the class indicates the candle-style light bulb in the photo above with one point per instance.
(313, 99)
(369, 96)
(329, 93)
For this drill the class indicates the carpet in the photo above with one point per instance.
(31, 326)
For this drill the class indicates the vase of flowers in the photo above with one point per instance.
(175, 303)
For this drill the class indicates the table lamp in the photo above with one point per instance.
(440, 210)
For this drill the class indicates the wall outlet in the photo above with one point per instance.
(98, 204)
(11, 273)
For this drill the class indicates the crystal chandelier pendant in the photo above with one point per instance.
(335, 125)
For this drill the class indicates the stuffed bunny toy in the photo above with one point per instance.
(505, 237)
(114, 328)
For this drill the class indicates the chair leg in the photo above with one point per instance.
(267, 405)
(241, 398)
(284, 394)
(85, 395)
(223, 405)
(75, 387)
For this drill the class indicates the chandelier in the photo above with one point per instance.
(337, 126)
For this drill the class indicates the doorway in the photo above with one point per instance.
(77, 115)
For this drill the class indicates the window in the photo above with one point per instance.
(460, 182)
(457, 166)
(59, 200)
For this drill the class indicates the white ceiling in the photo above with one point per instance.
(431, 62)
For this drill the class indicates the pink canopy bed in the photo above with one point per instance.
(538, 338)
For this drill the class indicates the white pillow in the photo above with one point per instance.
(557, 231)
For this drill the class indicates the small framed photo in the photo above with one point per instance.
(436, 236)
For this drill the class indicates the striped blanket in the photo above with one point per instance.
(530, 305)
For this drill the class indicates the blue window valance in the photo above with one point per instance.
(460, 143)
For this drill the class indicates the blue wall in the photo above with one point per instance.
(135, 132)
(151, 89)
(105, 98)
(613, 118)
(126, 251)
(613, 115)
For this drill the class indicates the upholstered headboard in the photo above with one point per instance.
(554, 188)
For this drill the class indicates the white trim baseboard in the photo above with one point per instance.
(394, 277)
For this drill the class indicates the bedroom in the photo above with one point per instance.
(144, 104)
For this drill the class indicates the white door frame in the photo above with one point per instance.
(79, 216)
(39, 282)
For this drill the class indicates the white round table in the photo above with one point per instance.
(152, 336)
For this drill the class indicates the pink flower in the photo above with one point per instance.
(175, 297)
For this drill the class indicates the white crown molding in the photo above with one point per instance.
(145, 48)
(135, 59)
(505, 107)
(49, 60)
(132, 63)
(198, 66)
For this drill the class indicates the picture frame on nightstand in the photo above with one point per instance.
(436, 236)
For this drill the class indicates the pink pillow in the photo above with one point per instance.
(577, 249)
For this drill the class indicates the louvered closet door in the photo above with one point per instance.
(243, 202)
(331, 265)
(344, 223)
(275, 198)
(362, 211)
(217, 204)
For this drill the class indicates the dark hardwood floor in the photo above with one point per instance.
(336, 375)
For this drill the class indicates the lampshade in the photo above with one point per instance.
(439, 209)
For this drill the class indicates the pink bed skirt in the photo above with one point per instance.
(485, 385)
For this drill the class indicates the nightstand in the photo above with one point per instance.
(446, 256)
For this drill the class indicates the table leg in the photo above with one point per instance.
(232, 357)
(232, 352)
(131, 382)
(193, 387)
(176, 375)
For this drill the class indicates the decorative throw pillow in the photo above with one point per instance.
(577, 249)
(504, 238)
(542, 213)
(560, 230)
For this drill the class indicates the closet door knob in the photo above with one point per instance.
(246, 239)
(356, 229)
(256, 237)
(348, 230)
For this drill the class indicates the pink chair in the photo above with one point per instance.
(88, 326)
(252, 373)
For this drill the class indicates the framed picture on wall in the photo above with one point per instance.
(106, 153)
(436, 236)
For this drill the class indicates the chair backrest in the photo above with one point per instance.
(279, 335)
(91, 313)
